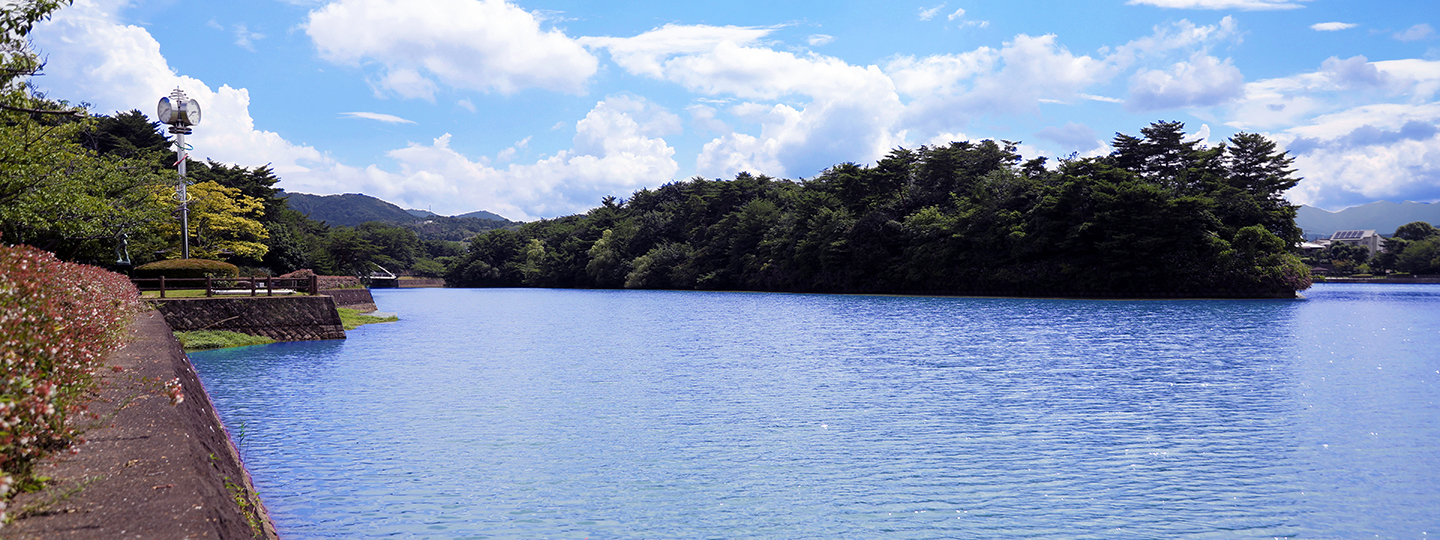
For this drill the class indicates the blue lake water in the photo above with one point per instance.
(505, 413)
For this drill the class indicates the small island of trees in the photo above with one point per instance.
(1161, 216)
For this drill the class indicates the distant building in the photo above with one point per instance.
(1366, 238)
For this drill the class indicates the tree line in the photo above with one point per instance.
(1161, 215)
(101, 189)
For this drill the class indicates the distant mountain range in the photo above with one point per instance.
(1384, 217)
(478, 214)
(352, 209)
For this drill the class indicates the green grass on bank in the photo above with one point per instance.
(352, 319)
(218, 339)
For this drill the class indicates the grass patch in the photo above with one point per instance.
(218, 339)
(352, 318)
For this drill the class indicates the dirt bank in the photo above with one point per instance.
(149, 469)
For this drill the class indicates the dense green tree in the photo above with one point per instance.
(1161, 216)
(1416, 231)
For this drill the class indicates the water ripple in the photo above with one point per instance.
(652, 414)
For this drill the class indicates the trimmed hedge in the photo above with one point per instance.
(187, 268)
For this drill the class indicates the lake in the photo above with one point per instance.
(535, 413)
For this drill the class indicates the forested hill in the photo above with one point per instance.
(1159, 217)
(346, 210)
(353, 209)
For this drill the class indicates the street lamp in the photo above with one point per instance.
(180, 112)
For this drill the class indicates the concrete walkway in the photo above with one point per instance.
(149, 469)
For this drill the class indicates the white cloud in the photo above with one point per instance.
(1416, 33)
(617, 146)
(1244, 5)
(816, 40)
(245, 39)
(509, 153)
(386, 118)
(1332, 26)
(820, 96)
(1385, 151)
(706, 118)
(646, 53)
(947, 91)
(956, 15)
(1104, 99)
(1338, 84)
(926, 14)
(1203, 81)
(488, 45)
(119, 67)
(614, 153)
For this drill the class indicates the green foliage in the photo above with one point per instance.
(1416, 231)
(187, 268)
(218, 339)
(1160, 216)
(1422, 257)
(55, 193)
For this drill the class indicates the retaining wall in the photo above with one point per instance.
(282, 318)
(352, 298)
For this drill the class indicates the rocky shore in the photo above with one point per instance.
(148, 468)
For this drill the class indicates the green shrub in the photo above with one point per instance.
(187, 268)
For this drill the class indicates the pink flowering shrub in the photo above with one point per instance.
(58, 320)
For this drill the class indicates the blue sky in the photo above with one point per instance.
(539, 108)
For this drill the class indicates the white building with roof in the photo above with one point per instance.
(1366, 238)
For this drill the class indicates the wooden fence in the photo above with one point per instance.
(230, 286)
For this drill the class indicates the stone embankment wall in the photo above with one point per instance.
(359, 299)
(282, 318)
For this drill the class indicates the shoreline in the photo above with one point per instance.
(147, 468)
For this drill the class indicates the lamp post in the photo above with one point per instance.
(180, 112)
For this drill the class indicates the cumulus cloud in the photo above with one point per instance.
(1384, 151)
(820, 96)
(488, 45)
(119, 67)
(1203, 81)
(1332, 26)
(1338, 84)
(646, 53)
(1415, 33)
(379, 117)
(948, 91)
(615, 151)
(1244, 5)
(617, 147)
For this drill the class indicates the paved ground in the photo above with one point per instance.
(149, 469)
